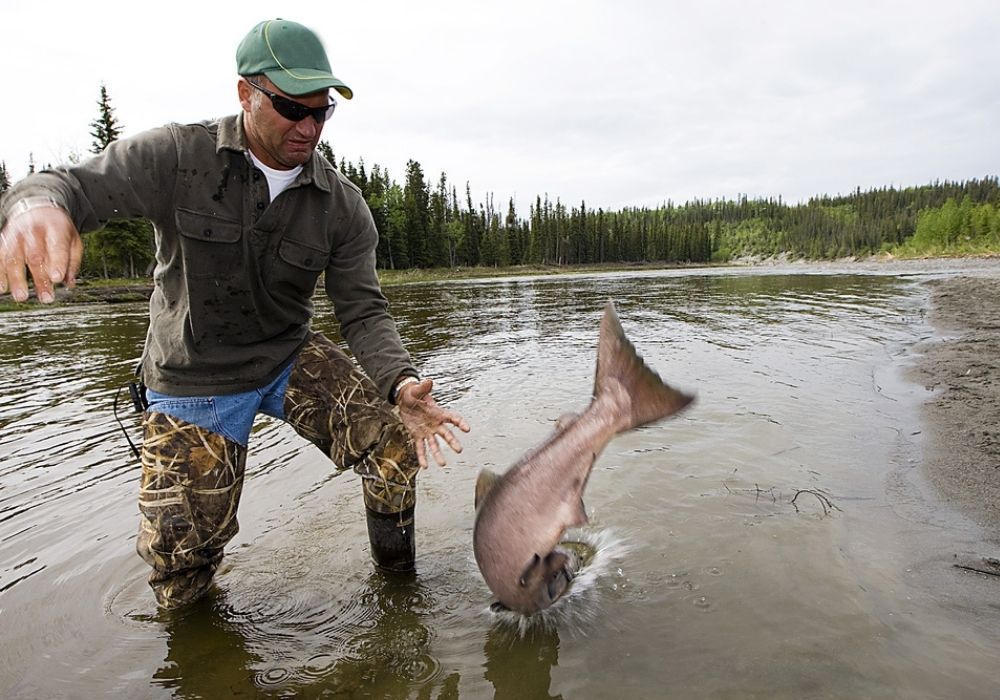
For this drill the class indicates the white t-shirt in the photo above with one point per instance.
(277, 180)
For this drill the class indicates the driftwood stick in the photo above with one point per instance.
(824, 500)
(982, 565)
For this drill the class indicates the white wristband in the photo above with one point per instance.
(400, 384)
(23, 206)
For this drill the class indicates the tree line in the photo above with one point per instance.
(425, 224)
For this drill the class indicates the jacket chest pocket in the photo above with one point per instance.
(212, 247)
(297, 268)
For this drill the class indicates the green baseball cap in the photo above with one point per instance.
(290, 55)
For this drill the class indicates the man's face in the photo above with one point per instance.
(279, 142)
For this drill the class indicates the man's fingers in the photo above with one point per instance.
(4, 286)
(75, 258)
(37, 259)
(458, 422)
(45, 241)
(59, 248)
(4, 244)
(444, 416)
(12, 261)
(436, 451)
(450, 438)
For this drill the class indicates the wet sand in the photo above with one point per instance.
(962, 417)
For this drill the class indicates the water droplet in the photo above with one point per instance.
(676, 580)
(273, 676)
(319, 665)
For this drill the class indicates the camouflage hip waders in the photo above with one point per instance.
(192, 477)
(331, 403)
(191, 484)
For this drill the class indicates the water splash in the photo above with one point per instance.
(601, 553)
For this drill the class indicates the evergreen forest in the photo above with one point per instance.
(435, 224)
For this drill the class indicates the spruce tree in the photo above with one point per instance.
(326, 151)
(122, 248)
(4, 177)
(416, 204)
(106, 126)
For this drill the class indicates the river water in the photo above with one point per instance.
(775, 540)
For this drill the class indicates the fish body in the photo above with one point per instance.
(522, 515)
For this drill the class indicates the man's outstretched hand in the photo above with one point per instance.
(426, 421)
(45, 241)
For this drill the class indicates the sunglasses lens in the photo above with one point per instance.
(296, 112)
(290, 110)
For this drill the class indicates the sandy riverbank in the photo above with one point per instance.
(962, 418)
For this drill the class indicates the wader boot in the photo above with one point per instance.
(390, 499)
(393, 547)
(331, 403)
(191, 484)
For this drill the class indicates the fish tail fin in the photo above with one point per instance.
(643, 397)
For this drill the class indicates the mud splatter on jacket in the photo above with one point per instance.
(234, 274)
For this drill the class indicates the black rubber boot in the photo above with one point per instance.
(393, 546)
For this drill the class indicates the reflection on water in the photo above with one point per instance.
(217, 650)
(199, 642)
(713, 583)
(520, 666)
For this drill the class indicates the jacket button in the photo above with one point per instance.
(260, 206)
(309, 261)
(208, 233)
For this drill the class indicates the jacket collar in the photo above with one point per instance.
(232, 137)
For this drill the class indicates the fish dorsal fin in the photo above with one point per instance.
(484, 482)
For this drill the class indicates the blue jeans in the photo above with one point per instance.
(194, 462)
(229, 415)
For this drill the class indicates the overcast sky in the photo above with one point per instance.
(617, 103)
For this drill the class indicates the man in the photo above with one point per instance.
(247, 216)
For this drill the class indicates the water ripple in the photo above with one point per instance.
(782, 365)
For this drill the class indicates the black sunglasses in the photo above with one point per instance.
(296, 111)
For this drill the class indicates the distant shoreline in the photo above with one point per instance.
(121, 291)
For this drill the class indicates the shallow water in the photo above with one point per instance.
(775, 540)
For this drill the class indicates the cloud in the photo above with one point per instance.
(631, 103)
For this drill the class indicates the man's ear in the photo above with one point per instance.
(243, 89)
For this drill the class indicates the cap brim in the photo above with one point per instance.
(302, 81)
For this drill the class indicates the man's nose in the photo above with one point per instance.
(308, 128)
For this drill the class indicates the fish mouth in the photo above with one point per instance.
(580, 553)
(559, 584)
(577, 554)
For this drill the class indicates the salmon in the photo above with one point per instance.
(522, 515)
